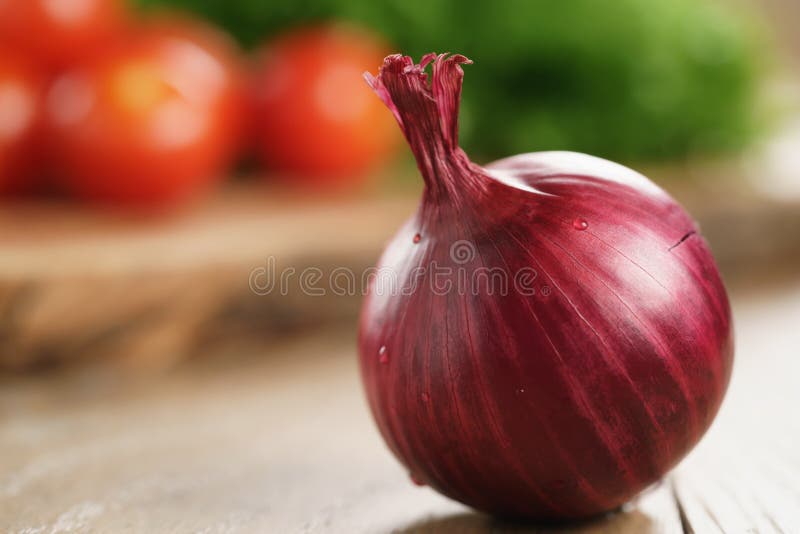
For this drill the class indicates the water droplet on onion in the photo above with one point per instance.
(580, 224)
(383, 357)
(425, 397)
(560, 484)
(417, 238)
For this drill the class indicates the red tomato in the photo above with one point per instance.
(21, 103)
(57, 33)
(153, 121)
(317, 119)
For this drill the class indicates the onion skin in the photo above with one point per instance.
(565, 403)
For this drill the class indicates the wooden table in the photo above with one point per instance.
(284, 443)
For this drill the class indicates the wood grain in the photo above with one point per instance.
(284, 444)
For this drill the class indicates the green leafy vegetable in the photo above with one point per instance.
(624, 79)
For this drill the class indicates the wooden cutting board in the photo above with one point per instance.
(146, 291)
(81, 284)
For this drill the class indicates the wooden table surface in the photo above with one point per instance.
(284, 443)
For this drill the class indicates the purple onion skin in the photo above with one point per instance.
(561, 404)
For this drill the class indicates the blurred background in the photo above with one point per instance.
(161, 159)
(154, 154)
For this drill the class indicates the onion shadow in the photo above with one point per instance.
(477, 523)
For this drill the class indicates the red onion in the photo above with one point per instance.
(585, 377)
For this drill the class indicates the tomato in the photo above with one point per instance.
(21, 102)
(317, 121)
(153, 121)
(57, 33)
